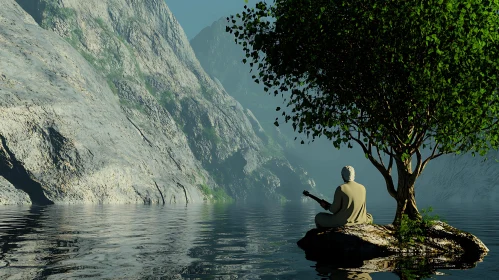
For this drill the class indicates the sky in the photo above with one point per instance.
(194, 15)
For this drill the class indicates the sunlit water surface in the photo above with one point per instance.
(217, 241)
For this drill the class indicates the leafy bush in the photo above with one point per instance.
(409, 231)
(217, 194)
(53, 11)
(211, 134)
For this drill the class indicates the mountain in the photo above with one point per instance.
(445, 178)
(105, 101)
(222, 60)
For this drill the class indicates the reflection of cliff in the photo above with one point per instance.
(25, 252)
(250, 240)
(96, 241)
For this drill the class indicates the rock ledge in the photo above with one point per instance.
(450, 246)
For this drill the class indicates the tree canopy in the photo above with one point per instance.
(393, 76)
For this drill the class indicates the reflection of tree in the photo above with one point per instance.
(341, 274)
(412, 268)
(405, 267)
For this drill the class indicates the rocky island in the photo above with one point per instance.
(376, 248)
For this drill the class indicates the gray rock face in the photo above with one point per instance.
(107, 103)
(9, 194)
(222, 59)
(62, 123)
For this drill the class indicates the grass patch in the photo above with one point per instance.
(166, 99)
(133, 105)
(111, 85)
(112, 77)
(102, 24)
(211, 134)
(150, 87)
(218, 194)
(53, 11)
(409, 231)
(207, 92)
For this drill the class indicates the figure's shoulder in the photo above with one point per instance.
(353, 183)
(359, 184)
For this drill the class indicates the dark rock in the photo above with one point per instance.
(443, 247)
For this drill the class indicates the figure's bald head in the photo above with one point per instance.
(348, 173)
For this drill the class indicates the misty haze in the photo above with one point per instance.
(135, 144)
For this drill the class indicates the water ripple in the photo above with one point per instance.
(198, 241)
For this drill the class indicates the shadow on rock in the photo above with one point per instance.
(355, 251)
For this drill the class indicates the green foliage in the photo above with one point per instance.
(428, 220)
(112, 86)
(411, 230)
(218, 194)
(166, 98)
(102, 24)
(415, 267)
(282, 199)
(272, 149)
(112, 77)
(210, 133)
(207, 92)
(53, 11)
(391, 74)
(133, 105)
(149, 87)
(76, 36)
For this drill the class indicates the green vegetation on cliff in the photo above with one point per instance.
(217, 194)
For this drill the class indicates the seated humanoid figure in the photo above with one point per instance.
(349, 205)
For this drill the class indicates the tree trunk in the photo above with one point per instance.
(406, 199)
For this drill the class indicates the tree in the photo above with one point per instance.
(393, 76)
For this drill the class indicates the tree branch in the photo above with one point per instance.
(432, 156)
(388, 178)
(390, 164)
(379, 156)
(418, 164)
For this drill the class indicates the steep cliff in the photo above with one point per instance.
(104, 101)
(446, 178)
(222, 59)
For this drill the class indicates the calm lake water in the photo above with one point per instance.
(217, 241)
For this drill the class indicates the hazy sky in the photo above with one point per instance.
(194, 15)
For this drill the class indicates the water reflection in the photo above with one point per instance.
(405, 267)
(218, 241)
(20, 236)
(239, 239)
(340, 274)
(331, 266)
